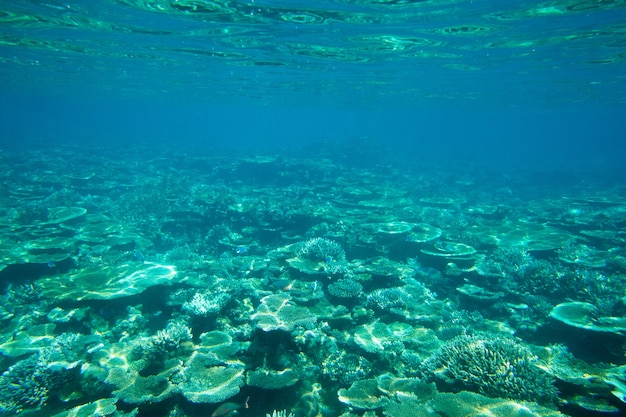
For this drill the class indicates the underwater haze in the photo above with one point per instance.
(272, 208)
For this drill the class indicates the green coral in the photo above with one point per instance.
(493, 366)
(617, 380)
(102, 407)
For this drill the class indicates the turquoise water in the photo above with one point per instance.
(330, 208)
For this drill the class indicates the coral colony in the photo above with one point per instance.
(366, 292)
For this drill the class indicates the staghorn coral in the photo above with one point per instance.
(322, 250)
(30, 382)
(24, 294)
(493, 366)
(386, 298)
(328, 253)
(24, 385)
(23, 301)
(523, 273)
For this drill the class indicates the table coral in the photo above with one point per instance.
(277, 312)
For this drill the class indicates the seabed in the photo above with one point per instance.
(175, 284)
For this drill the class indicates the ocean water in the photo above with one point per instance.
(312, 209)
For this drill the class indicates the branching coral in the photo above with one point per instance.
(29, 383)
(171, 337)
(23, 294)
(520, 270)
(206, 303)
(328, 253)
(346, 367)
(345, 288)
(24, 385)
(322, 249)
(386, 298)
(494, 366)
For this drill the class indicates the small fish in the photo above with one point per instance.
(428, 272)
(51, 264)
(229, 409)
(280, 284)
(139, 256)
(226, 410)
(240, 250)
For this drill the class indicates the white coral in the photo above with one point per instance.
(205, 304)
(282, 413)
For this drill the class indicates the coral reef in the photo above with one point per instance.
(181, 286)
